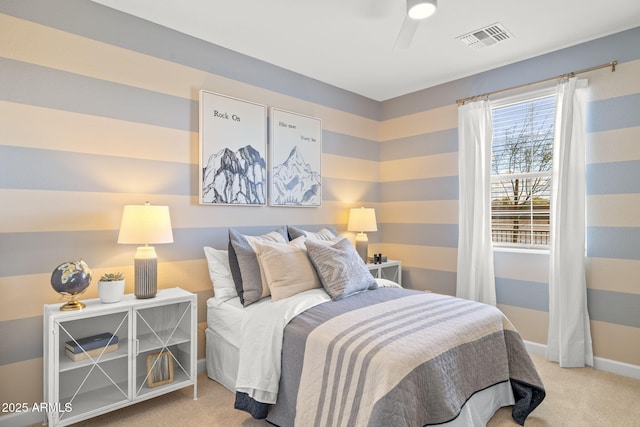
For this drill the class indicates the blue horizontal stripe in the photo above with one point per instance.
(613, 242)
(98, 22)
(614, 177)
(439, 235)
(445, 141)
(522, 293)
(15, 347)
(49, 249)
(613, 113)
(614, 307)
(440, 188)
(46, 87)
(350, 146)
(38, 169)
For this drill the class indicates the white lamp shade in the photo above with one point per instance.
(145, 224)
(421, 9)
(362, 220)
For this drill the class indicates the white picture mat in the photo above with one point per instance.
(291, 130)
(230, 123)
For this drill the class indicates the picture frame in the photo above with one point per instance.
(232, 152)
(159, 369)
(296, 159)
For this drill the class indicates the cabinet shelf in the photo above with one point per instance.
(67, 364)
(149, 342)
(78, 390)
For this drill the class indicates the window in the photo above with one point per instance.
(521, 162)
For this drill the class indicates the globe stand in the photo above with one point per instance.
(73, 305)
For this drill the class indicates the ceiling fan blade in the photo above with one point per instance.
(408, 29)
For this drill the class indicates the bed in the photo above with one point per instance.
(355, 350)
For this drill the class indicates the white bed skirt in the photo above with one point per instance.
(222, 366)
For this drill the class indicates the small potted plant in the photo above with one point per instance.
(111, 287)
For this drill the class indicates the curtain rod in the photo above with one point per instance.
(611, 64)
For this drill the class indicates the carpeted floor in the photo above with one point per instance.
(579, 397)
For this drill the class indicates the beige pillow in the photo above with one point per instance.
(286, 267)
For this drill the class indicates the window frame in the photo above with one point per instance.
(502, 102)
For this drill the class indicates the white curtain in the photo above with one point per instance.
(569, 340)
(475, 279)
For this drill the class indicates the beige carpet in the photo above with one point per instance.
(581, 397)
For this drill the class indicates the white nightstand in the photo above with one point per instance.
(390, 270)
(75, 390)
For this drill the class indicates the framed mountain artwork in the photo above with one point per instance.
(296, 157)
(233, 151)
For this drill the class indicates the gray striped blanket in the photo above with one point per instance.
(393, 357)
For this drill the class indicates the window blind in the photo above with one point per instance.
(522, 152)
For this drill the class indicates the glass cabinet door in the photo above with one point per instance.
(163, 353)
(93, 362)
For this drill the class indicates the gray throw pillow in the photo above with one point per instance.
(243, 262)
(341, 270)
(327, 233)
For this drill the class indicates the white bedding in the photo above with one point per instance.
(225, 318)
(261, 342)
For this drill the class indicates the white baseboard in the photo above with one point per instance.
(607, 365)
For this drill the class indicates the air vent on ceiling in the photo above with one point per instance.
(486, 36)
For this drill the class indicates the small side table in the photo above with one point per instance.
(390, 270)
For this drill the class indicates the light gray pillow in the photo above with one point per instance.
(341, 270)
(218, 262)
(243, 262)
(327, 233)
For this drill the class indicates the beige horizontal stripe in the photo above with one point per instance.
(21, 382)
(73, 211)
(437, 165)
(419, 123)
(614, 210)
(37, 44)
(616, 145)
(616, 275)
(340, 167)
(616, 342)
(201, 354)
(25, 295)
(533, 325)
(526, 266)
(604, 84)
(82, 133)
(428, 257)
(419, 212)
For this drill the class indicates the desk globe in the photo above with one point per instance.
(71, 279)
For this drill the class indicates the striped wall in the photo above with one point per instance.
(419, 194)
(99, 109)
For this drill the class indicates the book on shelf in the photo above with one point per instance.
(90, 343)
(93, 353)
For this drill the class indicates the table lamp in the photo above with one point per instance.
(145, 224)
(362, 220)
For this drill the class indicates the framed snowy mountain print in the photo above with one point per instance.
(296, 156)
(233, 151)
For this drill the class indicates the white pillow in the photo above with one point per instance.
(286, 267)
(224, 287)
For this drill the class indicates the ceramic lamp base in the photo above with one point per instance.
(362, 246)
(146, 273)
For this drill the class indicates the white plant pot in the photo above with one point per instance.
(110, 292)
